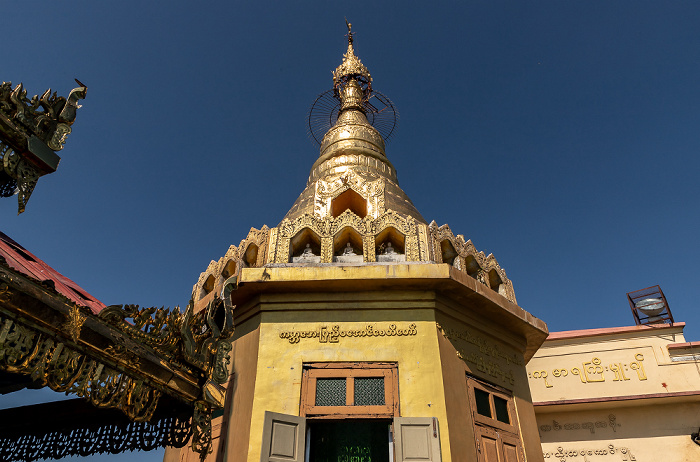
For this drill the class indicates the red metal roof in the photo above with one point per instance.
(25, 262)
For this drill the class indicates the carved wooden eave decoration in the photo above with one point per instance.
(31, 132)
(75, 427)
(125, 358)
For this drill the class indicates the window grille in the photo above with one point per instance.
(337, 390)
(331, 392)
(369, 391)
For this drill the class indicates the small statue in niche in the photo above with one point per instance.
(388, 253)
(307, 256)
(307, 252)
(389, 250)
(348, 255)
(348, 251)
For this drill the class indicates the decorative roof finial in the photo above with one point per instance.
(33, 130)
(352, 67)
(350, 32)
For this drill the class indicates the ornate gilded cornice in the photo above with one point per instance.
(479, 266)
(124, 358)
(413, 240)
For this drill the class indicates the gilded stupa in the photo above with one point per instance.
(361, 331)
(353, 154)
(353, 196)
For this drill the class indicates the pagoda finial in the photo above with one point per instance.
(352, 67)
(349, 31)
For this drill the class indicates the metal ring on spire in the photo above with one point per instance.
(379, 109)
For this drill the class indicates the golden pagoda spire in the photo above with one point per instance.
(352, 152)
(352, 133)
(352, 67)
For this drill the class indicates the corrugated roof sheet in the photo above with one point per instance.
(25, 262)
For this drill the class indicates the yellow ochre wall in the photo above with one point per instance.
(279, 373)
(267, 367)
(481, 349)
(617, 394)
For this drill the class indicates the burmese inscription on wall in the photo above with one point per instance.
(591, 426)
(594, 370)
(324, 334)
(590, 454)
(488, 357)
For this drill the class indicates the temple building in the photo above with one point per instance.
(625, 393)
(353, 331)
(363, 332)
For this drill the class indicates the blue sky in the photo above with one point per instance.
(560, 136)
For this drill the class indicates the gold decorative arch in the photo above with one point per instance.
(371, 189)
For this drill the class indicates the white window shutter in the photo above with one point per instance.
(417, 439)
(284, 438)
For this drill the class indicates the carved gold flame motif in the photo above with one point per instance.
(351, 65)
(75, 322)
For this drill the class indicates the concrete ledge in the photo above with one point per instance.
(677, 396)
(570, 334)
(683, 346)
(442, 279)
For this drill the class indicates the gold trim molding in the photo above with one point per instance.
(63, 369)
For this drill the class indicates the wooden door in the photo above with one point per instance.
(497, 446)
(512, 450)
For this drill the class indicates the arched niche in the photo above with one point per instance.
(208, 285)
(496, 283)
(250, 258)
(349, 200)
(390, 245)
(298, 245)
(340, 244)
(448, 252)
(229, 269)
(471, 266)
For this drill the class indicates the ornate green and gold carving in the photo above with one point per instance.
(31, 131)
(48, 117)
(124, 358)
(63, 369)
